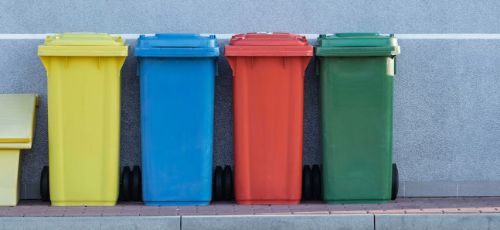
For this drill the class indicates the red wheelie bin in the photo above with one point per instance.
(268, 80)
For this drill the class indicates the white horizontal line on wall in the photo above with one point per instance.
(309, 36)
(22, 36)
(449, 36)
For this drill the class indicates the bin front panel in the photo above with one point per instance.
(268, 124)
(177, 102)
(17, 121)
(356, 109)
(10, 183)
(84, 129)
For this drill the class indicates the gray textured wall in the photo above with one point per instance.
(230, 16)
(446, 106)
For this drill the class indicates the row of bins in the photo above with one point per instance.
(177, 79)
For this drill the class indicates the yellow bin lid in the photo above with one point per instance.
(17, 120)
(83, 44)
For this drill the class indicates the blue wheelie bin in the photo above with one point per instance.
(177, 77)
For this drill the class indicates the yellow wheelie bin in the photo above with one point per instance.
(17, 125)
(83, 72)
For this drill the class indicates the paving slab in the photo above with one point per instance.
(440, 221)
(278, 222)
(84, 223)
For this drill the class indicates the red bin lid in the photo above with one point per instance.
(268, 44)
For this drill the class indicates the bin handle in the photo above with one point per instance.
(395, 66)
(394, 57)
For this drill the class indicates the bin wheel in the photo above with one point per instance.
(395, 181)
(316, 182)
(306, 183)
(217, 184)
(125, 184)
(228, 183)
(135, 184)
(44, 184)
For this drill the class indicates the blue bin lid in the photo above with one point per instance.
(177, 45)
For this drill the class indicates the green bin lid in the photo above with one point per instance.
(83, 44)
(357, 44)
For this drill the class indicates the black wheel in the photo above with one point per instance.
(316, 182)
(306, 183)
(135, 188)
(125, 184)
(217, 184)
(395, 182)
(44, 184)
(228, 183)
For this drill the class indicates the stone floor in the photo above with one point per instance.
(32, 208)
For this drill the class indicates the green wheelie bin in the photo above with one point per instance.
(356, 86)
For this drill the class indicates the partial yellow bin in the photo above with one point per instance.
(17, 124)
(83, 72)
